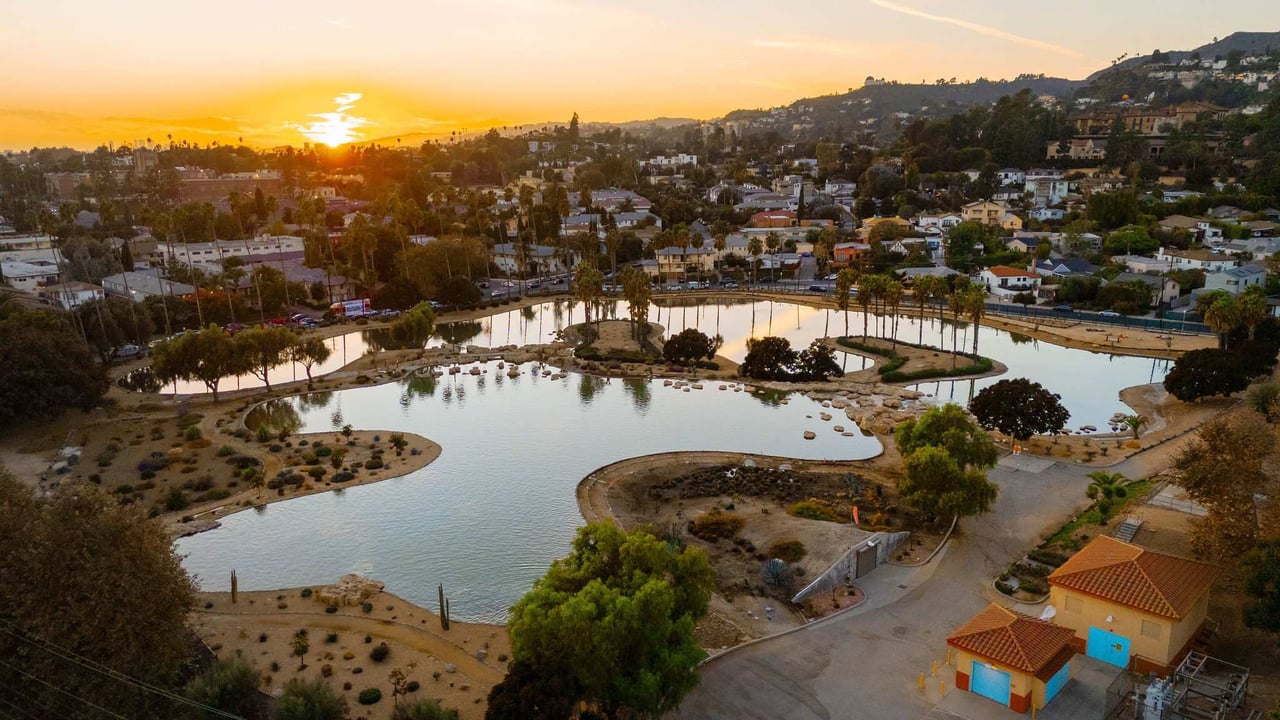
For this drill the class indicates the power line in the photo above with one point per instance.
(101, 669)
(57, 711)
(64, 692)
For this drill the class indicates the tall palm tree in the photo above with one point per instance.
(772, 241)
(893, 296)
(975, 306)
(754, 248)
(866, 291)
(922, 291)
(1251, 308)
(613, 243)
(1221, 313)
(955, 302)
(846, 279)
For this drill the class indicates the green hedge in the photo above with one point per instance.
(889, 371)
(983, 365)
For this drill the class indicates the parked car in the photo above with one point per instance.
(128, 352)
(1109, 314)
(440, 306)
(817, 288)
(728, 284)
(482, 285)
(1064, 309)
(673, 287)
(497, 294)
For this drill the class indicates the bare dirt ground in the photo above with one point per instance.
(261, 626)
(669, 492)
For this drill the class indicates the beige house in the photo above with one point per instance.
(1011, 658)
(1129, 606)
(674, 262)
(985, 212)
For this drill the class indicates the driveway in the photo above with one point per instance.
(867, 662)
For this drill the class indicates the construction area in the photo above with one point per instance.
(1202, 688)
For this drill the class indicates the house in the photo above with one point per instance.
(1078, 149)
(1064, 267)
(1047, 214)
(845, 254)
(1229, 213)
(1011, 176)
(1235, 280)
(637, 219)
(206, 254)
(541, 259)
(1006, 281)
(1258, 248)
(580, 223)
(1007, 193)
(910, 274)
(774, 219)
(71, 295)
(1022, 245)
(987, 212)
(942, 222)
(138, 285)
(1131, 607)
(674, 262)
(616, 200)
(1195, 260)
(1014, 659)
(1047, 189)
(1180, 222)
(1164, 290)
(1010, 222)
(1140, 264)
(1262, 228)
(29, 276)
(840, 187)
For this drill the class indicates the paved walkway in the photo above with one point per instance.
(867, 663)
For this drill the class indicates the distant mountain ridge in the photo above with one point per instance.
(1246, 42)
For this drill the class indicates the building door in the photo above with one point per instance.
(1056, 683)
(1108, 647)
(866, 561)
(990, 683)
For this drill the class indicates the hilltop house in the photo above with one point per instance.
(1195, 260)
(1005, 281)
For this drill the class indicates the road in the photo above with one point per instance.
(867, 662)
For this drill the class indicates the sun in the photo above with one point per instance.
(337, 127)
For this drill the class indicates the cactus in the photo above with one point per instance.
(234, 587)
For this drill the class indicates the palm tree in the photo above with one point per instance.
(975, 303)
(1251, 308)
(754, 248)
(846, 279)
(866, 290)
(923, 291)
(955, 301)
(1106, 488)
(1135, 422)
(893, 296)
(1220, 312)
(772, 241)
(588, 285)
(612, 243)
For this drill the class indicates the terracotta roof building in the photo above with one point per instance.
(1011, 658)
(1130, 606)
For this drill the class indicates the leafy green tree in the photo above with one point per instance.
(965, 245)
(936, 484)
(230, 686)
(207, 356)
(613, 623)
(689, 345)
(1206, 373)
(1113, 209)
(113, 322)
(309, 353)
(413, 329)
(1019, 408)
(71, 545)
(300, 645)
(1130, 240)
(768, 358)
(45, 367)
(1263, 584)
(458, 292)
(262, 349)
(948, 427)
(310, 700)
(816, 363)
(1265, 399)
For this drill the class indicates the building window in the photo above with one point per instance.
(1151, 629)
(1073, 604)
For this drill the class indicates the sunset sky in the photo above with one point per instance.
(83, 72)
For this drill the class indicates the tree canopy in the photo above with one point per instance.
(611, 625)
(1206, 373)
(772, 358)
(206, 356)
(97, 579)
(689, 345)
(1019, 408)
(45, 366)
(949, 428)
(936, 484)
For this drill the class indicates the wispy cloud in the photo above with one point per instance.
(337, 127)
(976, 27)
(820, 45)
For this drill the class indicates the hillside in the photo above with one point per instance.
(877, 109)
(1245, 42)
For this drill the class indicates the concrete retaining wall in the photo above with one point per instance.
(886, 544)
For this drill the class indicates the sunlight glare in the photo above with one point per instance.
(337, 127)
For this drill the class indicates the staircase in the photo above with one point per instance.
(1128, 529)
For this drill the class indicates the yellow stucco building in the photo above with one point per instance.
(1013, 659)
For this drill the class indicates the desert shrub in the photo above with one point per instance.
(316, 472)
(331, 638)
(412, 686)
(716, 525)
(366, 608)
(226, 450)
(379, 652)
(263, 434)
(369, 696)
(326, 670)
(373, 463)
(342, 477)
(791, 551)
(192, 433)
(814, 510)
(175, 500)
(331, 609)
(218, 494)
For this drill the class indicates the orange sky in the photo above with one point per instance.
(81, 72)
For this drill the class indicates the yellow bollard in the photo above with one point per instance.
(921, 681)
(948, 656)
(942, 688)
(935, 668)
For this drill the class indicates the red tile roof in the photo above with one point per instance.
(1128, 575)
(1006, 271)
(1015, 640)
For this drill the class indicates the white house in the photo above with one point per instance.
(1012, 176)
(71, 295)
(1047, 190)
(1046, 214)
(943, 221)
(1004, 281)
(1195, 260)
(213, 253)
(1235, 280)
(1141, 264)
(138, 285)
(28, 276)
(542, 259)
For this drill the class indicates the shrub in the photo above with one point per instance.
(262, 637)
(373, 463)
(814, 510)
(331, 638)
(791, 551)
(412, 686)
(1265, 399)
(370, 696)
(175, 500)
(192, 433)
(226, 450)
(379, 653)
(326, 670)
(263, 434)
(342, 477)
(306, 593)
(331, 609)
(366, 608)
(716, 525)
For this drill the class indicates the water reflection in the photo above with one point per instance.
(280, 416)
(459, 333)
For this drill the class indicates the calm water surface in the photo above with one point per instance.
(498, 506)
